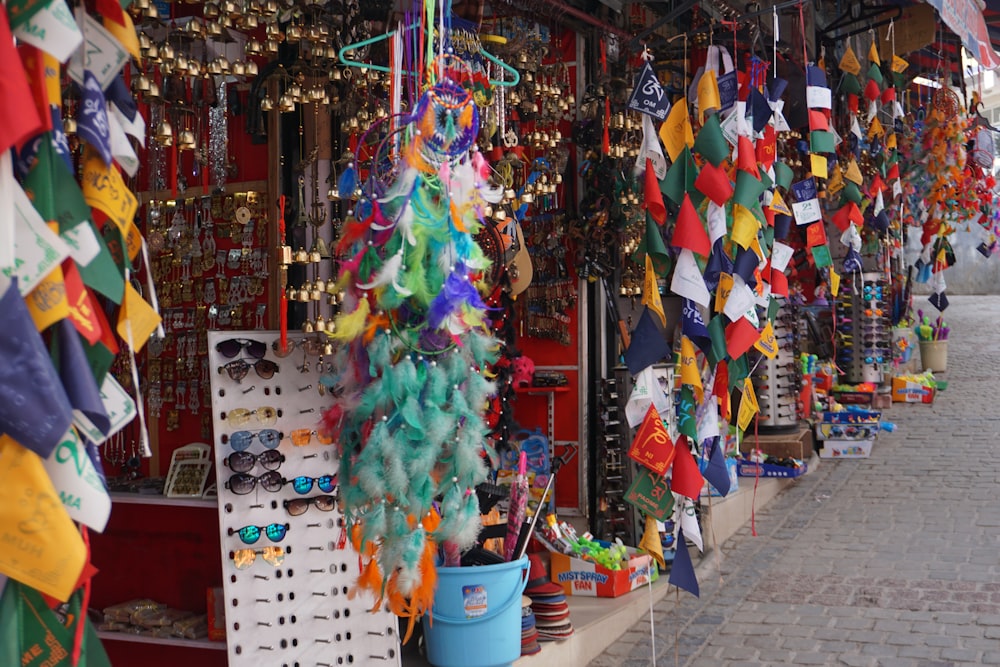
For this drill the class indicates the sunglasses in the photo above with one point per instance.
(245, 461)
(303, 483)
(310, 346)
(244, 558)
(303, 436)
(238, 369)
(874, 312)
(240, 416)
(241, 440)
(241, 484)
(250, 534)
(232, 347)
(298, 506)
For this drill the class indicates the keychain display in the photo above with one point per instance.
(288, 567)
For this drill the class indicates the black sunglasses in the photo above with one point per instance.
(233, 346)
(242, 461)
(237, 369)
(298, 506)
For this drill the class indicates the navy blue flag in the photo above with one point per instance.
(648, 345)
(715, 472)
(805, 189)
(815, 76)
(776, 88)
(939, 300)
(119, 95)
(852, 262)
(59, 140)
(693, 326)
(760, 109)
(92, 118)
(682, 569)
(34, 408)
(77, 379)
(648, 96)
(25, 158)
(728, 90)
(746, 261)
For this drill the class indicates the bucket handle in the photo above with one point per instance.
(515, 597)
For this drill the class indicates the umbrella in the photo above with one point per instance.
(518, 507)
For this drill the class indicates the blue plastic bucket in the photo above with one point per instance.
(477, 615)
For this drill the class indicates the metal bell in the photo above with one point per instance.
(186, 140)
(164, 133)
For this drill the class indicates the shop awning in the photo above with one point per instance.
(965, 18)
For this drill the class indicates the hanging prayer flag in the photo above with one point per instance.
(648, 96)
(652, 447)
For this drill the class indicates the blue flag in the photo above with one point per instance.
(682, 569)
(715, 472)
(92, 119)
(648, 345)
(693, 326)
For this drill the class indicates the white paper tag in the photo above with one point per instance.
(37, 249)
(688, 281)
(104, 54)
(741, 299)
(806, 211)
(53, 30)
(780, 256)
(79, 486)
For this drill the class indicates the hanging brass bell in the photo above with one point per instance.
(144, 42)
(308, 327)
(293, 33)
(253, 47)
(194, 68)
(186, 141)
(239, 68)
(300, 256)
(167, 52)
(153, 53)
(527, 198)
(335, 74)
(154, 91)
(210, 10)
(213, 68)
(266, 103)
(164, 133)
(271, 46)
(251, 68)
(151, 12)
(69, 125)
(314, 257)
(286, 103)
(142, 83)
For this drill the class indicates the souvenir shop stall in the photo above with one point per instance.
(374, 332)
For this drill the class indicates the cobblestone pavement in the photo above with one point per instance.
(888, 561)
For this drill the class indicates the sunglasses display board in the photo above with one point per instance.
(864, 328)
(777, 382)
(288, 566)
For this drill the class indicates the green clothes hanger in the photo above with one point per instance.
(342, 55)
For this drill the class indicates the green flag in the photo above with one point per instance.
(58, 198)
(783, 175)
(850, 84)
(680, 178)
(717, 334)
(652, 244)
(43, 637)
(748, 190)
(687, 423)
(739, 369)
(710, 142)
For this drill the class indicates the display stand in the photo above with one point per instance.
(864, 329)
(778, 382)
(287, 607)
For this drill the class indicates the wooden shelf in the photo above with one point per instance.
(156, 499)
(163, 641)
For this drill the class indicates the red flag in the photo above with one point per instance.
(686, 478)
(110, 9)
(19, 118)
(893, 172)
(852, 102)
(872, 91)
(779, 283)
(653, 196)
(740, 337)
(652, 446)
(713, 182)
(689, 232)
(876, 186)
(842, 218)
(818, 120)
(766, 147)
(34, 69)
(888, 95)
(746, 158)
(768, 216)
(815, 234)
(82, 311)
(720, 388)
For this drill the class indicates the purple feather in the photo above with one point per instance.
(456, 291)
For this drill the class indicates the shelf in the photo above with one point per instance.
(541, 390)
(156, 499)
(163, 641)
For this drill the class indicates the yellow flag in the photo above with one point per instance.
(875, 129)
(873, 54)
(849, 63)
(854, 173)
(47, 302)
(125, 34)
(689, 367)
(140, 315)
(890, 141)
(53, 87)
(748, 405)
(708, 94)
(651, 292)
(104, 189)
(745, 226)
(722, 291)
(650, 542)
(834, 282)
(817, 164)
(767, 343)
(898, 64)
(676, 132)
(778, 204)
(836, 182)
(42, 546)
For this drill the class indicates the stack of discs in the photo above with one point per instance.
(548, 602)
(529, 633)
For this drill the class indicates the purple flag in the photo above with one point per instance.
(682, 569)
(92, 119)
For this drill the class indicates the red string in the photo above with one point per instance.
(283, 298)
(756, 478)
(81, 621)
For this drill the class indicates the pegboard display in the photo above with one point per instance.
(864, 328)
(287, 563)
(778, 382)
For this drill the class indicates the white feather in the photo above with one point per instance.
(389, 273)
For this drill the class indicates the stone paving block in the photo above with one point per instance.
(960, 655)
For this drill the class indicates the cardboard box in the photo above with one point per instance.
(846, 449)
(906, 391)
(750, 469)
(854, 397)
(586, 578)
(864, 431)
(795, 445)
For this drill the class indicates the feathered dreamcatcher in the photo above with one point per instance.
(412, 344)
